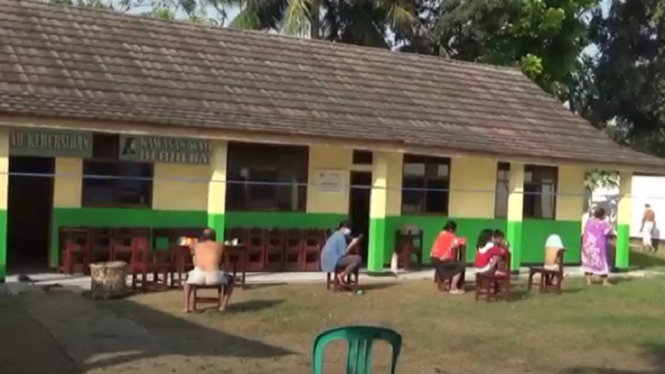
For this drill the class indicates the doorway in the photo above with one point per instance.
(29, 207)
(359, 204)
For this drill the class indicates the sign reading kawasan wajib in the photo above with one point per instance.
(50, 143)
(164, 149)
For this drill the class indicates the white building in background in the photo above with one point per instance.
(646, 190)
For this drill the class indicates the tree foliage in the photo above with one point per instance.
(364, 22)
(210, 12)
(543, 37)
(629, 74)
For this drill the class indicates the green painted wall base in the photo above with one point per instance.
(216, 222)
(623, 247)
(514, 237)
(3, 245)
(531, 237)
(431, 226)
(125, 217)
(535, 233)
(377, 252)
(118, 217)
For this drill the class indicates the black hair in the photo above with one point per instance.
(498, 234)
(209, 235)
(484, 237)
(344, 223)
(450, 226)
(599, 213)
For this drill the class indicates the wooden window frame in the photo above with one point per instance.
(302, 175)
(431, 165)
(115, 161)
(536, 172)
(500, 168)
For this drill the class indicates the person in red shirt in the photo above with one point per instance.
(490, 251)
(444, 257)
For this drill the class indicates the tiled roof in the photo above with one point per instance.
(80, 63)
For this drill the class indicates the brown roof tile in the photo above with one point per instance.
(88, 64)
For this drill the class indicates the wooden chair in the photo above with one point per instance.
(101, 238)
(196, 299)
(275, 248)
(409, 241)
(122, 241)
(181, 261)
(237, 233)
(256, 249)
(313, 242)
(550, 280)
(76, 250)
(293, 252)
(495, 286)
(145, 262)
(235, 262)
(352, 280)
(444, 284)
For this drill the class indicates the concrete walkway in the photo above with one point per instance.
(82, 282)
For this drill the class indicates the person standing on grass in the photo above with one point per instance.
(594, 247)
(207, 257)
(444, 257)
(648, 225)
(337, 253)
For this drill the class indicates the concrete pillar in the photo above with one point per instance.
(385, 201)
(515, 213)
(4, 184)
(217, 188)
(623, 220)
(67, 195)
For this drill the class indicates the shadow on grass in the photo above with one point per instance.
(654, 352)
(376, 286)
(97, 335)
(644, 261)
(256, 286)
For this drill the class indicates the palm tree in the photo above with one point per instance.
(363, 22)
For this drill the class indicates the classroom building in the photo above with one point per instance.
(112, 120)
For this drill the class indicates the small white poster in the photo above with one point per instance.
(330, 180)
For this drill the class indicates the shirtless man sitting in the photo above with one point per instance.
(206, 272)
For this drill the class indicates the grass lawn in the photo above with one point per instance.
(618, 329)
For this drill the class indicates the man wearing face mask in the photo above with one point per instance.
(336, 252)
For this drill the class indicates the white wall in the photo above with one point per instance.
(646, 190)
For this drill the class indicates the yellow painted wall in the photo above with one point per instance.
(215, 191)
(68, 182)
(570, 193)
(180, 187)
(472, 187)
(330, 158)
(395, 162)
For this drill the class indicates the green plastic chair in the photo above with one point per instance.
(361, 339)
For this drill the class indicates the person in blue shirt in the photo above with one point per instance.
(337, 253)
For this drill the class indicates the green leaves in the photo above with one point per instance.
(363, 22)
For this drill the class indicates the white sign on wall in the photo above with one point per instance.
(330, 180)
